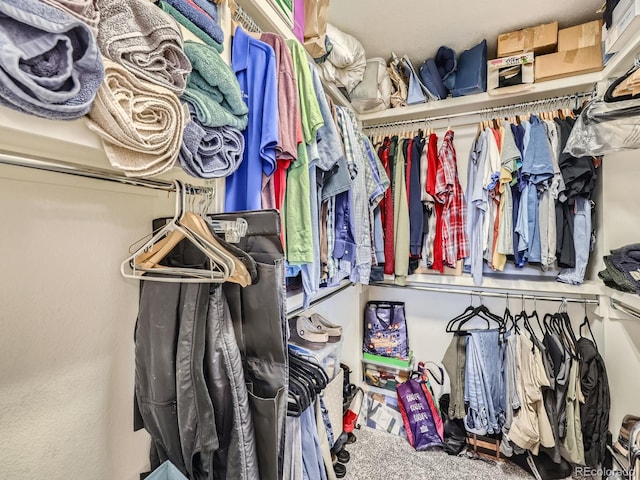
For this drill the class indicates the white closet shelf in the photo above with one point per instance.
(588, 288)
(268, 19)
(295, 299)
(449, 106)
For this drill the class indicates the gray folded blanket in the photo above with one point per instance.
(213, 89)
(210, 152)
(140, 123)
(84, 10)
(50, 65)
(145, 40)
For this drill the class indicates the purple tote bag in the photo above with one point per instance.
(385, 330)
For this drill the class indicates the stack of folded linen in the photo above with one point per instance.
(50, 65)
(197, 16)
(622, 270)
(213, 143)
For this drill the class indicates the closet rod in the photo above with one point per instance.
(315, 302)
(482, 111)
(239, 15)
(485, 293)
(618, 305)
(95, 173)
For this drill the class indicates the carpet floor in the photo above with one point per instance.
(378, 455)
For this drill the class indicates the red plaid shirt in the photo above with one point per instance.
(455, 244)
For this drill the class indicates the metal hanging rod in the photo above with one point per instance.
(313, 303)
(239, 15)
(618, 305)
(489, 293)
(96, 174)
(484, 111)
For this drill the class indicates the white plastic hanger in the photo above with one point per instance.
(182, 226)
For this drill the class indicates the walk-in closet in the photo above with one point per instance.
(319, 239)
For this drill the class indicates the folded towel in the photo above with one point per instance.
(209, 7)
(140, 123)
(213, 89)
(145, 40)
(189, 25)
(210, 152)
(199, 17)
(84, 10)
(50, 65)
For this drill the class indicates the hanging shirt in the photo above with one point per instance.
(537, 169)
(297, 200)
(477, 204)
(401, 215)
(416, 215)
(434, 227)
(523, 210)
(387, 210)
(455, 245)
(491, 184)
(357, 164)
(509, 161)
(254, 64)
(289, 133)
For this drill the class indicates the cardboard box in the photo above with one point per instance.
(541, 39)
(568, 63)
(624, 29)
(510, 74)
(581, 36)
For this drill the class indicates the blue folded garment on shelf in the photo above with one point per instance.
(210, 152)
(50, 65)
(199, 17)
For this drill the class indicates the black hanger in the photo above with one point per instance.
(481, 311)
(587, 323)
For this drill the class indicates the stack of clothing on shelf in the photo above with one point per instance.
(528, 201)
(622, 269)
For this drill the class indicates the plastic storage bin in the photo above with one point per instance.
(385, 376)
(328, 357)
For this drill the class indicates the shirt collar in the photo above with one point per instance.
(240, 50)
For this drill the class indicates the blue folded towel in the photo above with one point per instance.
(50, 65)
(209, 7)
(210, 152)
(200, 18)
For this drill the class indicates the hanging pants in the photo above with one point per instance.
(190, 389)
(259, 319)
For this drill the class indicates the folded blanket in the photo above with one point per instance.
(84, 10)
(189, 25)
(145, 40)
(213, 89)
(210, 152)
(199, 17)
(140, 123)
(50, 65)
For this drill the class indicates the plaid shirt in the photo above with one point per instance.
(455, 244)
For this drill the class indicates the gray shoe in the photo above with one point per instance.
(322, 324)
(305, 334)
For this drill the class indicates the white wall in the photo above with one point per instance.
(67, 319)
(621, 226)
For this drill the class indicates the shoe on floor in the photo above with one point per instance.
(340, 470)
(322, 324)
(343, 456)
(305, 334)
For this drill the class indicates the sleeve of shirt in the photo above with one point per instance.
(269, 138)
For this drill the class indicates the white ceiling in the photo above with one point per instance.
(418, 27)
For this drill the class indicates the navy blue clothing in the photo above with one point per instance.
(416, 214)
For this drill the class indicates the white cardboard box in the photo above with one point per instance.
(523, 61)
